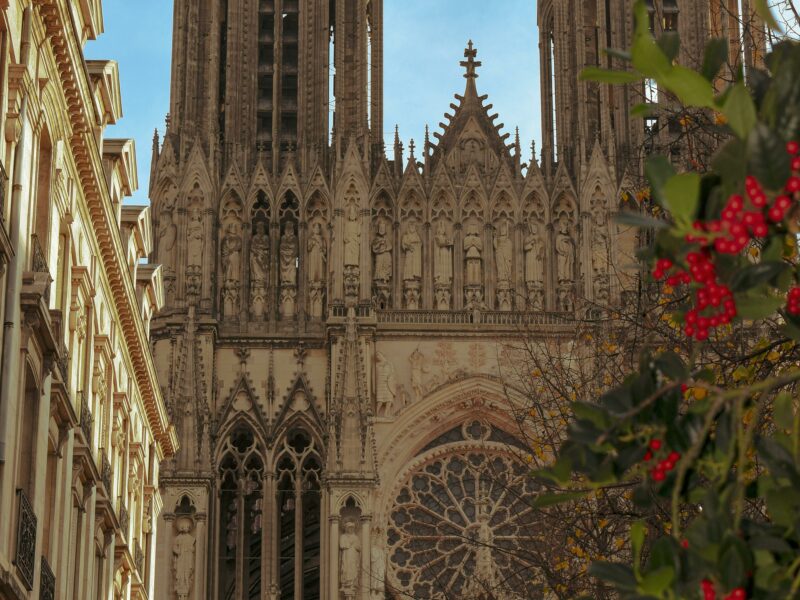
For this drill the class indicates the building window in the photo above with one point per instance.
(298, 502)
(241, 474)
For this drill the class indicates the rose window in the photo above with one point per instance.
(463, 525)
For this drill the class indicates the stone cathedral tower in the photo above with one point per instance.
(328, 350)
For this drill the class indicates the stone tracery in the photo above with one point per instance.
(456, 529)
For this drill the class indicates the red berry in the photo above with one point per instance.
(674, 456)
(648, 456)
(658, 475)
(796, 163)
(655, 445)
(793, 148)
(793, 185)
(702, 335)
(775, 214)
(685, 543)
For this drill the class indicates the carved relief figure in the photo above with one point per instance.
(382, 249)
(259, 256)
(387, 384)
(317, 255)
(183, 559)
(473, 252)
(418, 371)
(231, 255)
(412, 253)
(599, 240)
(443, 266)
(565, 250)
(288, 255)
(504, 251)
(352, 237)
(349, 559)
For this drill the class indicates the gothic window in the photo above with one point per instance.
(241, 472)
(298, 502)
(456, 530)
(670, 19)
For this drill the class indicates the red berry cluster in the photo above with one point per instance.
(659, 472)
(793, 301)
(710, 293)
(730, 234)
(710, 592)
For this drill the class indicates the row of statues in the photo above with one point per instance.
(382, 248)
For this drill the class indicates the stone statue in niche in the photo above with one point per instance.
(259, 256)
(412, 253)
(317, 255)
(352, 237)
(600, 253)
(167, 236)
(534, 265)
(473, 253)
(231, 255)
(349, 560)
(387, 385)
(231, 530)
(565, 250)
(183, 558)
(288, 255)
(504, 253)
(196, 237)
(382, 250)
(443, 264)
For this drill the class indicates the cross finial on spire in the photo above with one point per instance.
(411, 146)
(471, 65)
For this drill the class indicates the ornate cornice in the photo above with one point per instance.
(74, 80)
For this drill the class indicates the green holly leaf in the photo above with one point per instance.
(609, 76)
(768, 160)
(681, 195)
(716, 54)
(740, 110)
(754, 306)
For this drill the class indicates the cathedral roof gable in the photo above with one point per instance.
(471, 118)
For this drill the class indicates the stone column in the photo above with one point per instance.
(267, 533)
(165, 545)
(457, 302)
(334, 557)
(200, 554)
(366, 546)
(301, 305)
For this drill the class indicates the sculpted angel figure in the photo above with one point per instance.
(196, 239)
(349, 557)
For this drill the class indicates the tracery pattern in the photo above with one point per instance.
(463, 526)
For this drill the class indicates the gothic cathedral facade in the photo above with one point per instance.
(329, 346)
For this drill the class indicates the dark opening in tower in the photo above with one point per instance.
(266, 69)
(289, 74)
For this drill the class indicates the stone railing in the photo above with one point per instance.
(87, 421)
(106, 475)
(497, 318)
(47, 583)
(25, 555)
(340, 311)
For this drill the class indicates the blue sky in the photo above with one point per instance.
(424, 41)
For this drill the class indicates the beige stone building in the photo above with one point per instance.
(329, 345)
(83, 425)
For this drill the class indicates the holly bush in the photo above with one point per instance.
(719, 454)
